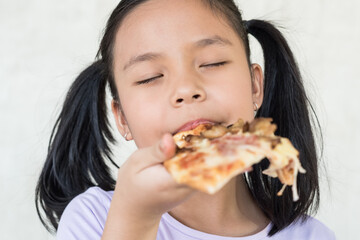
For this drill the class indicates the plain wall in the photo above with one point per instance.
(44, 44)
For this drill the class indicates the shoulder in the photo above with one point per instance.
(93, 197)
(85, 216)
(307, 228)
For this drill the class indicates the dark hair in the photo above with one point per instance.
(79, 149)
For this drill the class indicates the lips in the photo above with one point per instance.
(193, 124)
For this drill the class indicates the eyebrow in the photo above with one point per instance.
(142, 58)
(215, 40)
(150, 56)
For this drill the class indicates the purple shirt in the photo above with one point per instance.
(85, 216)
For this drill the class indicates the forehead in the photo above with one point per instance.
(163, 25)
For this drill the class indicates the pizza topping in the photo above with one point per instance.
(192, 159)
(261, 126)
(229, 144)
(236, 127)
(215, 132)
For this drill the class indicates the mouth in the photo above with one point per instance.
(193, 124)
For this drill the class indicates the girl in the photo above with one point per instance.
(171, 64)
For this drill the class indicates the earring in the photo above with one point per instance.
(256, 107)
(125, 136)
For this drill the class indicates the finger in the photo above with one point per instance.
(164, 149)
(158, 153)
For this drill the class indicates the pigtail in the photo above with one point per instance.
(286, 102)
(78, 147)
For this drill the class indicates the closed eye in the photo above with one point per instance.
(148, 80)
(154, 78)
(215, 64)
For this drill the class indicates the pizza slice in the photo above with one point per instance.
(210, 155)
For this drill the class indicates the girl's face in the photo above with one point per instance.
(177, 62)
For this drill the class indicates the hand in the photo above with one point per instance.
(143, 192)
(144, 187)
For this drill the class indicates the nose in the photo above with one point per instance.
(187, 93)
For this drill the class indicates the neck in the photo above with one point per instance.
(230, 212)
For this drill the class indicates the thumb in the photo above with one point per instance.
(165, 148)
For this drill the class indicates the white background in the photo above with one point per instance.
(44, 44)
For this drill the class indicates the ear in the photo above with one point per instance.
(120, 120)
(257, 84)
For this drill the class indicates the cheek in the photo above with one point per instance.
(144, 119)
(235, 97)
